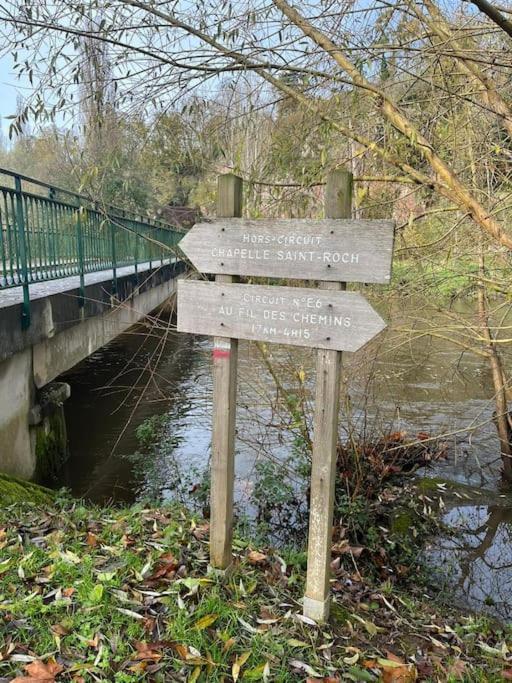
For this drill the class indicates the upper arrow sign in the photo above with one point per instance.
(324, 319)
(330, 249)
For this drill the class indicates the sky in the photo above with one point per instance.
(10, 87)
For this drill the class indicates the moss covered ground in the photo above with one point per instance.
(13, 490)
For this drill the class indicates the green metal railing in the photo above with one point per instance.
(48, 233)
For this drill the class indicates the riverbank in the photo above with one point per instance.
(125, 594)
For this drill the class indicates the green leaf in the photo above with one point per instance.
(96, 594)
(256, 673)
(106, 576)
(206, 621)
(358, 674)
(293, 642)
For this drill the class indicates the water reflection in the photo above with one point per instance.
(124, 384)
(420, 386)
(478, 561)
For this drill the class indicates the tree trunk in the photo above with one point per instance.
(498, 377)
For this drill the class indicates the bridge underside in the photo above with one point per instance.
(61, 334)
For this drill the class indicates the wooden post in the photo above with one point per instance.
(225, 354)
(338, 204)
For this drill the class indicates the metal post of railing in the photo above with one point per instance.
(22, 247)
(150, 247)
(136, 250)
(114, 261)
(80, 247)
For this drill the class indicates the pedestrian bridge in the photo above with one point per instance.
(73, 275)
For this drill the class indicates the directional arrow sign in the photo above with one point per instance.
(325, 319)
(331, 249)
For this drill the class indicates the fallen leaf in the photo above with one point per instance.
(305, 668)
(360, 674)
(238, 664)
(401, 674)
(139, 667)
(130, 613)
(493, 651)
(247, 626)
(182, 650)
(206, 621)
(344, 548)
(166, 567)
(228, 644)
(294, 642)
(39, 672)
(370, 627)
(255, 557)
(60, 630)
(96, 594)
(148, 651)
(200, 532)
(91, 539)
(395, 670)
(304, 619)
(266, 614)
(91, 642)
(457, 669)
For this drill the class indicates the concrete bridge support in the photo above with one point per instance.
(61, 334)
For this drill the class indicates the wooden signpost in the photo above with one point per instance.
(334, 251)
(353, 250)
(284, 315)
(225, 358)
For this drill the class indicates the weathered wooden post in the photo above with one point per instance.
(225, 356)
(338, 204)
(333, 251)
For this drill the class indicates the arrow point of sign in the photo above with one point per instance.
(366, 317)
(195, 246)
(184, 242)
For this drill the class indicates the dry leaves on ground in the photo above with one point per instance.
(39, 672)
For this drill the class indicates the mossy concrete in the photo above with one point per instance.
(33, 440)
(13, 490)
(51, 441)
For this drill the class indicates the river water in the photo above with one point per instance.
(401, 381)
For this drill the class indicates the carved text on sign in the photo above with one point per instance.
(328, 249)
(286, 315)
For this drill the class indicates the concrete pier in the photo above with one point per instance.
(61, 334)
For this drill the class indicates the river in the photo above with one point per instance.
(425, 385)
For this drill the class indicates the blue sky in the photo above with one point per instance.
(10, 87)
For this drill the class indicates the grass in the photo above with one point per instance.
(108, 594)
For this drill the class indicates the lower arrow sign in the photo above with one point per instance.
(343, 321)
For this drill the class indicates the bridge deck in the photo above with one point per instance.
(39, 290)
